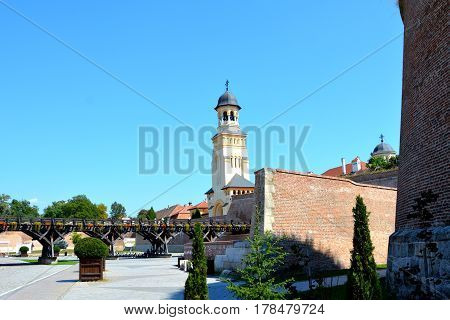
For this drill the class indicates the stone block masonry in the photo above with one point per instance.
(317, 211)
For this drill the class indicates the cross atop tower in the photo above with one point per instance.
(226, 84)
(382, 138)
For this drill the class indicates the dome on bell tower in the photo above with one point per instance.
(227, 98)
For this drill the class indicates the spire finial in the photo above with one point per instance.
(382, 138)
(226, 84)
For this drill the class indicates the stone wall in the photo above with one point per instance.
(317, 212)
(419, 262)
(241, 209)
(383, 178)
(421, 267)
(212, 249)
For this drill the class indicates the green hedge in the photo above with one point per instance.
(91, 248)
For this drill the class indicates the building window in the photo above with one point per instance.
(232, 116)
(225, 116)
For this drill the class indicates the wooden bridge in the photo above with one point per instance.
(158, 232)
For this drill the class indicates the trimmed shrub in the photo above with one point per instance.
(56, 249)
(24, 249)
(91, 248)
(196, 287)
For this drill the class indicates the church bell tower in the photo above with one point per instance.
(230, 165)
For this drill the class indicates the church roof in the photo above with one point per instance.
(383, 148)
(209, 191)
(227, 99)
(238, 181)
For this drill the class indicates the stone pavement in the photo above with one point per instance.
(17, 275)
(140, 279)
(125, 279)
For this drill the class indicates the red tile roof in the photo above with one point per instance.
(337, 172)
(201, 205)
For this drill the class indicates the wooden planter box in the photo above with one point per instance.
(91, 269)
(24, 254)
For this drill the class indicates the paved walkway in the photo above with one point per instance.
(136, 279)
(17, 276)
(126, 279)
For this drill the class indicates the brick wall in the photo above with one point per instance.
(424, 137)
(318, 209)
(419, 255)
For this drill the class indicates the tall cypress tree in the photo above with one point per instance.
(196, 287)
(363, 282)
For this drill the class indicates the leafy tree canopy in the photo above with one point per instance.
(147, 214)
(4, 204)
(79, 207)
(23, 209)
(382, 163)
(118, 211)
(103, 211)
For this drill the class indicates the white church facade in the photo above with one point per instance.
(230, 163)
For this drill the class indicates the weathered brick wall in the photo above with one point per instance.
(319, 209)
(424, 137)
(384, 178)
(419, 254)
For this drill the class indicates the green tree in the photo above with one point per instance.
(196, 214)
(147, 214)
(55, 210)
(79, 207)
(23, 209)
(151, 214)
(4, 204)
(142, 214)
(257, 279)
(102, 211)
(196, 287)
(382, 163)
(118, 211)
(363, 282)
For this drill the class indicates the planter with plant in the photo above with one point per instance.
(92, 253)
(24, 251)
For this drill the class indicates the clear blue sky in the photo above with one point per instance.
(67, 128)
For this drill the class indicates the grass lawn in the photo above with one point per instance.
(337, 293)
(59, 263)
(326, 274)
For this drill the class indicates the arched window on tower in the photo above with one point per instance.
(225, 116)
(232, 116)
